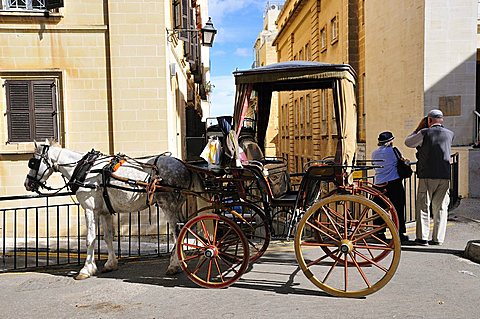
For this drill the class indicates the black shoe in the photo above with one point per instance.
(435, 243)
(404, 238)
(421, 242)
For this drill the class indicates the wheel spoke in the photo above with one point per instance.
(205, 232)
(333, 224)
(219, 270)
(196, 236)
(199, 265)
(332, 267)
(323, 232)
(372, 261)
(209, 272)
(345, 272)
(215, 229)
(360, 270)
(318, 260)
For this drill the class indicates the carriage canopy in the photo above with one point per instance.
(295, 76)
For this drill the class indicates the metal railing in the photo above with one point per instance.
(39, 231)
(411, 184)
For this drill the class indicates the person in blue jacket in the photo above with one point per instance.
(387, 179)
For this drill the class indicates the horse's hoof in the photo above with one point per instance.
(108, 269)
(173, 270)
(81, 276)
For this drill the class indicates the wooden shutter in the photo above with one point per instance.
(177, 14)
(183, 35)
(20, 126)
(53, 4)
(31, 110)
(44, 104)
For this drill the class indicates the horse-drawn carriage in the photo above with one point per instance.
(345, 243)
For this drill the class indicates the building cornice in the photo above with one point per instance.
(292, 14)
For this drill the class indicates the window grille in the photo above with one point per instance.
(29, 5)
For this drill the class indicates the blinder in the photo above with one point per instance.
(34, 163)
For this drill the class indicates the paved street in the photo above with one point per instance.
(431, 282)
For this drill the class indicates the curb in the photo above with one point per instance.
(472, 250)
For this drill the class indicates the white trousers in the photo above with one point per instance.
(435, 192)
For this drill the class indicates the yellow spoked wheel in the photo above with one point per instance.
(212, 251)
(338, 242)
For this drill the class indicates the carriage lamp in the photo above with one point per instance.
(208, 33)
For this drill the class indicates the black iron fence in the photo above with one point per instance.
(410, 185)
(38, 231)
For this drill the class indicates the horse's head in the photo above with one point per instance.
(41, 167)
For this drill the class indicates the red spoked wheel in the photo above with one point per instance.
(253, 223)
(212, 251)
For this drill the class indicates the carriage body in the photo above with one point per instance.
(338, 224)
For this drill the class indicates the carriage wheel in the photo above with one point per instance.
(337, 244)
(212, 251)
(388, 208)
(375, 195)
(252, 221)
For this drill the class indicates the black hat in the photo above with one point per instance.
(385, 137)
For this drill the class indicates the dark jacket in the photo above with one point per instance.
(434, 153)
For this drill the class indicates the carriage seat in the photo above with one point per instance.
(288, 199)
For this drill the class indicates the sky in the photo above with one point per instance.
(238, 23)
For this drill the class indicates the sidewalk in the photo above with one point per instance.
(469, 212)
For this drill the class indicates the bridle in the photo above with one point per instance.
(34, 165)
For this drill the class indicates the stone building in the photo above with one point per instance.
(322, 31)
(110, 75)
(410, 56)
(265, 53)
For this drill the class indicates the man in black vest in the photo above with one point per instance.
(433, 143)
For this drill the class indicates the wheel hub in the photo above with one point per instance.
(345, 246)
(211, 252)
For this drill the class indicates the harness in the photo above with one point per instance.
(82, 169)
(107, 172)
(84, 166)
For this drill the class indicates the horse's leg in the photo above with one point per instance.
(90, 268)
(172, 219)
(112, 263)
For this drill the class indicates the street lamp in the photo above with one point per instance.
(208, 33)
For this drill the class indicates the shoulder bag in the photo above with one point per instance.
(404, 170)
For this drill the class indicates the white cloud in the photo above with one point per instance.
(219, 53)
(223, 95)
(243, 52)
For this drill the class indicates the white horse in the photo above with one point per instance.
(125, 195)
